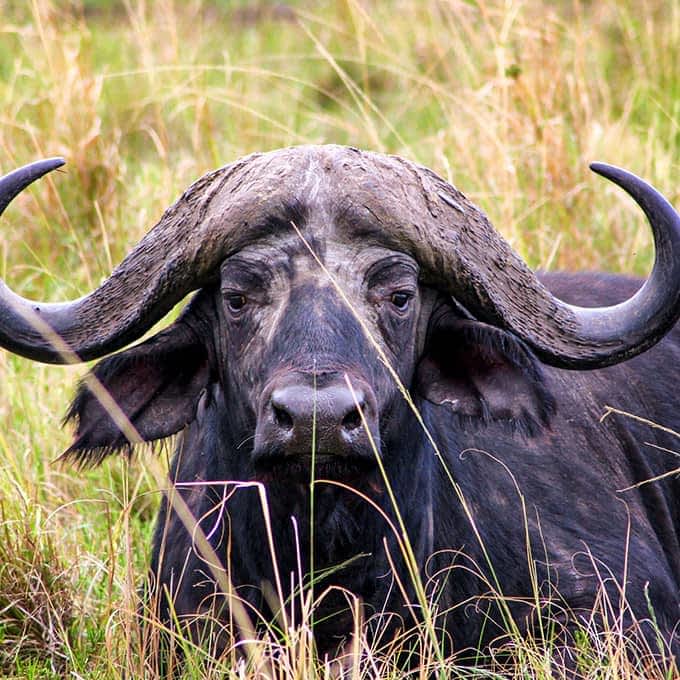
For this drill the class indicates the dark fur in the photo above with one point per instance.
(516, 430)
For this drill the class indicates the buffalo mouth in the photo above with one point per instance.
(278, 467)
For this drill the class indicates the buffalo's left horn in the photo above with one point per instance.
(461, 253)
(481, 270)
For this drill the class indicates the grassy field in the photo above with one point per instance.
(509, 100)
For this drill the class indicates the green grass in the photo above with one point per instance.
(508, 100)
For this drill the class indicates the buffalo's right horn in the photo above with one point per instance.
(139, 292)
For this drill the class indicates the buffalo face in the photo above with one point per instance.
(320, 349)
(302, 333)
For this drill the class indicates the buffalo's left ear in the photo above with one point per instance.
(483, 374)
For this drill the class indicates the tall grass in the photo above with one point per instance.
(508, 100)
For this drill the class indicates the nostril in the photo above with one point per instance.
(352, 420)
(282, 418)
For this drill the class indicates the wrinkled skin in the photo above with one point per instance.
(508, 429)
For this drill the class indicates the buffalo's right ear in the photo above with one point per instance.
(156, 386)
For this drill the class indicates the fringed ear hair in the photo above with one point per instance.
(155, 388)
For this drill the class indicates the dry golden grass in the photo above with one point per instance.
(508, 99)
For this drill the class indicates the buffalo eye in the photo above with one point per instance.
(236, 302)
(400, 299)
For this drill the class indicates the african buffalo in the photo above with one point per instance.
(358, 320)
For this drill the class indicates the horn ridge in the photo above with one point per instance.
(139, 292)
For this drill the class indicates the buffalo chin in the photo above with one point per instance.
(285, 468)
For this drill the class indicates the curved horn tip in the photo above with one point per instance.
(628, 181)
(643, 193)
(37, 168)
(16, 181)
(52, 163)
(611, 172)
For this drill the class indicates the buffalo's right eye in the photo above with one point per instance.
(236, 302)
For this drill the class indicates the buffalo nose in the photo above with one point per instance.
(298, 411)
(301, 409)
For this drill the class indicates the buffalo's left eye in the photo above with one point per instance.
(401, 299)
(236, 302)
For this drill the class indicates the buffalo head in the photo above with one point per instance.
(331, 281)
